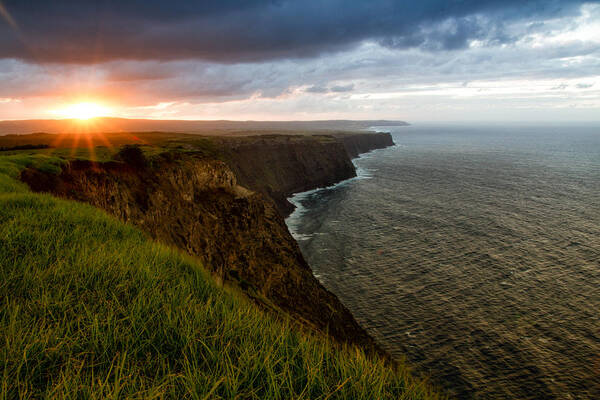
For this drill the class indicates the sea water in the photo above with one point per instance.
(472, 251)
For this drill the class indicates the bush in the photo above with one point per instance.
(133, 155)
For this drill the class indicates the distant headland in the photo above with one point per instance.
(220, 127)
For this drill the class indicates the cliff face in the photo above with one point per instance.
(279, 166)
(200, 206)
(362, 143)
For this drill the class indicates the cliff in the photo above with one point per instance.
(362, 143)
(217, 211)
(279, 166)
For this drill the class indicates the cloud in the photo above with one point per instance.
(230, 31)
(332, 89)
(494, 57)
(316, 89)
(342, 88)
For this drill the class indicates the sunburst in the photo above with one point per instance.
(83, 111)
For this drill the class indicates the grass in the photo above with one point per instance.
(91, 308)
(11, 166)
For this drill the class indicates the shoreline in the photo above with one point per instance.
(295, 198)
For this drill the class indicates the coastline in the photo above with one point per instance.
(295, 199)
(192, 199)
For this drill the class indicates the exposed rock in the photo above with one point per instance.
(279, 166)
(357, 143)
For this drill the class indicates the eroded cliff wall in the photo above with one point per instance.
(362, 143)
(279, 166)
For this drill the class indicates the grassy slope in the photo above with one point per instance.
(91, 308)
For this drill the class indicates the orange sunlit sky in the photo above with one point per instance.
(474, 60)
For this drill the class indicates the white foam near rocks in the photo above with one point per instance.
(293, 220)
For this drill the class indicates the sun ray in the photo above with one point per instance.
(9, 19)
(90, 147)
(104, 140)
(58, 140)
(75, 143)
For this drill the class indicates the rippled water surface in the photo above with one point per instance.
(474, 252)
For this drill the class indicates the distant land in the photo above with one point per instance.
(109, 124)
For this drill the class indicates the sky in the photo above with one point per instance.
(431, 60)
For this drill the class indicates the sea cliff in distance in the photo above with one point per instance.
(217, 127)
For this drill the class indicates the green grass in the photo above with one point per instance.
(91, 308)
(11, 166)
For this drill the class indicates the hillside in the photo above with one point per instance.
(92, 307)
(223, 201)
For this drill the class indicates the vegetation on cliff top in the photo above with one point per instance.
(91, 308)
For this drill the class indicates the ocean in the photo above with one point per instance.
(473, 252)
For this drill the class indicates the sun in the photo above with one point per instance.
(84, 111)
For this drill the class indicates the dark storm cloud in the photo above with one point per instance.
(231, 31)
